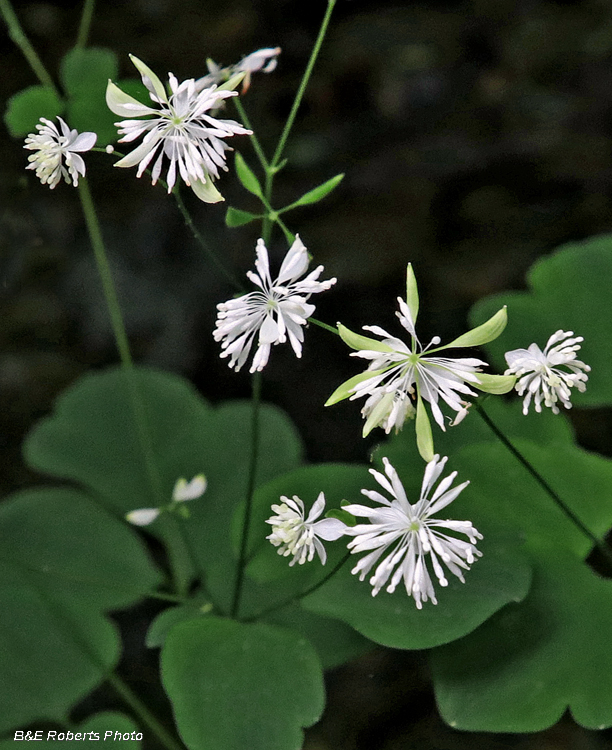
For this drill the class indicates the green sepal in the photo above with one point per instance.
(412, 293)
(496, 384)
(316, 194)
(482, 334)
(144, 70)
(235, 217)
(231, 83)
(206, 191)
(423, 432)
(378, 412)
(357, 341)
(346, 389)
(247, 177)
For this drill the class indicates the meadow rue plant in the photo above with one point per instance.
(409, 534)
(57, 152)
(402, 375)
(549, 375)
(182, 492)
(278, 310)
(299, 536)
(181, 131)
(232, 613)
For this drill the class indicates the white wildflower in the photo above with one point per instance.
(180, 131)
(401, 376)
(301, 537)
(263, 60)
(549, 375)
(276, 311)
(182, 492)
(57, 154)
(409, 534)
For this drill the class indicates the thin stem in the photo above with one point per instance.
(248, 511)
(304, 83)
(253, 138)
(143, 713)
(305, 593)
(327, 327)
(181, 581)
(85, 24)
(601, 545)
(204, 245)
(17, 34)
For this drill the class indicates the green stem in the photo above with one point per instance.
(143, 713)
(601, 545)
(85, 24)
(248, 510)
(304, 83)
(204, 245)
(136, 402)
(17, 34)
(327, 327)
(253, 138)
(305, 593)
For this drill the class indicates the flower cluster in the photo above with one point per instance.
(401, 376)
(181, 131)
(299, 536)
(549, 375)
(278, 310)
(407, 535)
(183, 491)
(57, 154)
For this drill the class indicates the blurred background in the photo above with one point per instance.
(476, 136)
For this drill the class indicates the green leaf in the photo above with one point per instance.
(247, 177)
(84, 69)
(106, 721)
(335, 642)
(89, 113)
(236, 217)
(213, 671)
(166, 620)
(568, 290)
(24, 109)
(63, 562)
(315, 195)
(188, 437)
(521, 670)
(500, 576)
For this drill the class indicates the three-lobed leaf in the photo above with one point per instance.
(25, 108)
(214, 671)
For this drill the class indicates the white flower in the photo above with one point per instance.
(410, 533)
(183, 491)
(142, 516)
(301, 538)
(54, 149)
(264, 60)
(400, 375)
(550, 374)
(180, 131)
(277, 310)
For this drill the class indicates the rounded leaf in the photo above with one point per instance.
(213, 671)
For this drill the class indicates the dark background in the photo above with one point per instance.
(476, 136)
